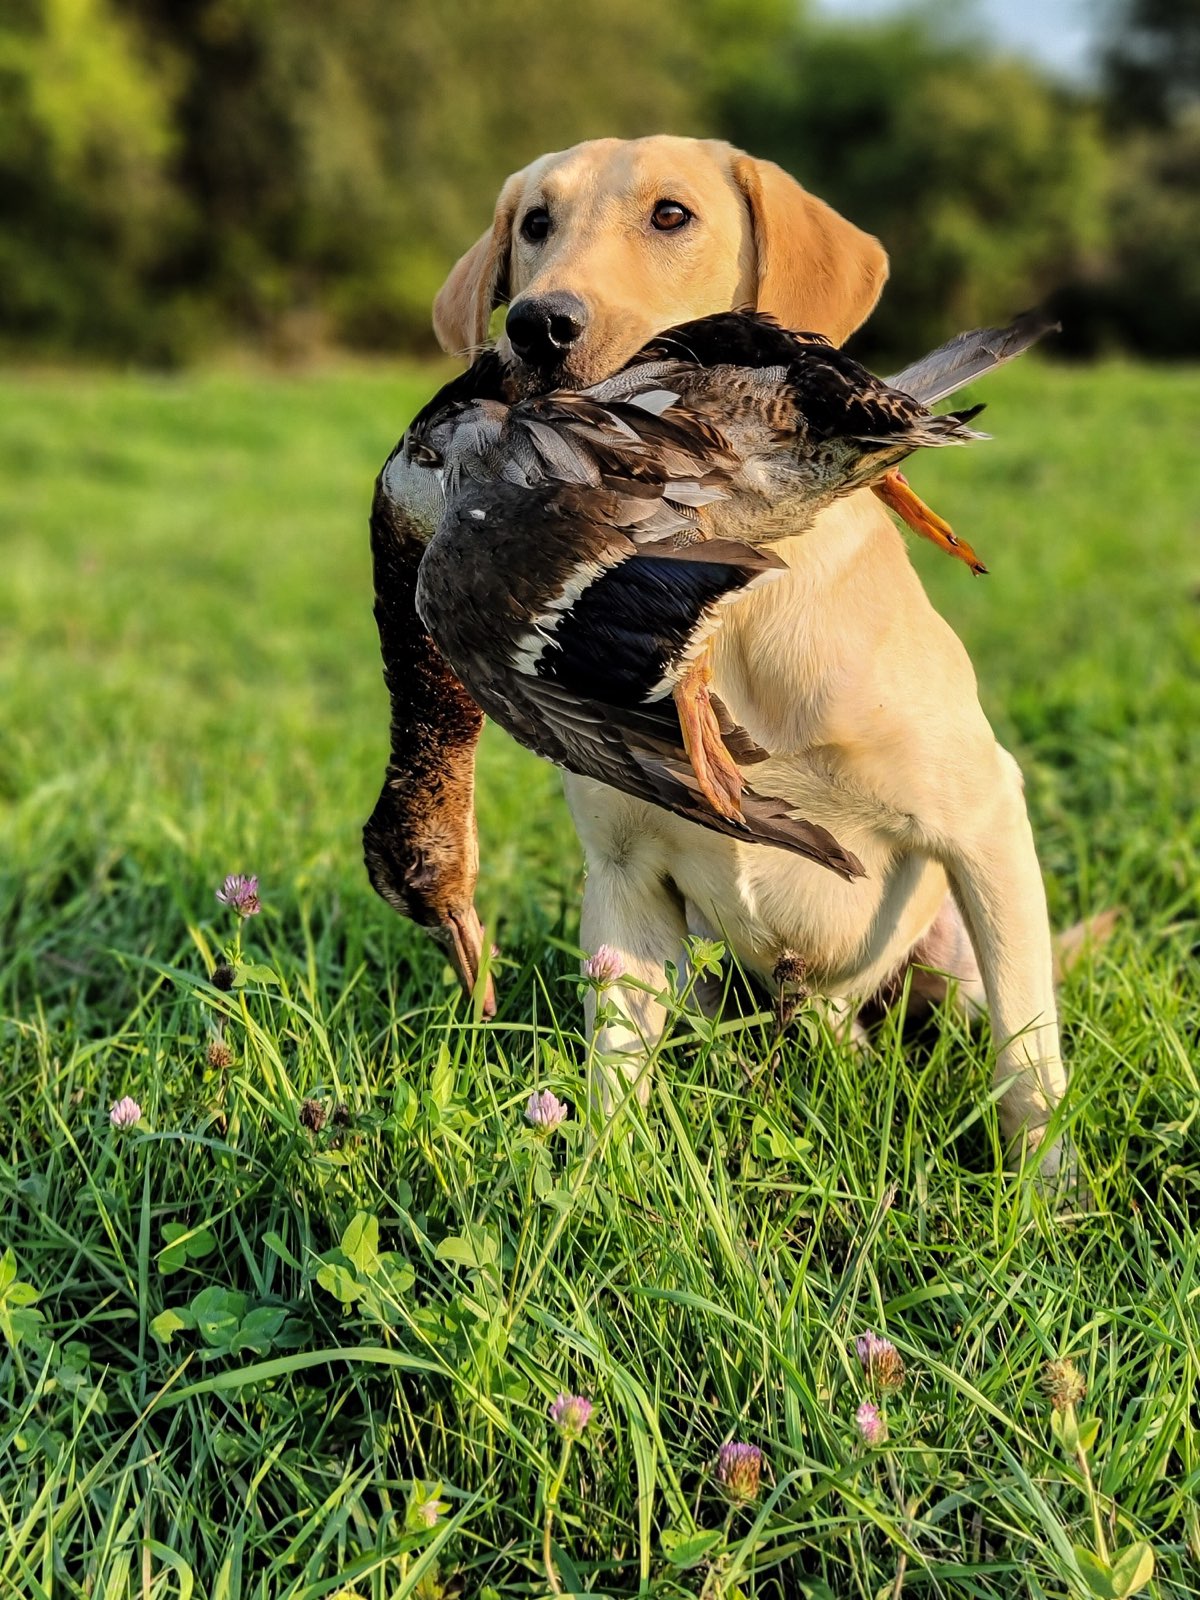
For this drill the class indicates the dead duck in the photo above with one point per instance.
(589, 539)
(547, 537)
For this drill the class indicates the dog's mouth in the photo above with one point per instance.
(588, 362)
(531, 380)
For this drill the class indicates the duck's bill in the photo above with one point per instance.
(467, 953)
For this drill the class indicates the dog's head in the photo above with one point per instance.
(597, 248)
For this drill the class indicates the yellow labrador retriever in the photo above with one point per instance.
(843, 670)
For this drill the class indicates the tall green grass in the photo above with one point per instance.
(189, 686)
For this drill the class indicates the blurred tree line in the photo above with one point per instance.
(180, 174)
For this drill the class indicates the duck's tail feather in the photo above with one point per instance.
(666, 778)
(772, 821)
(950, 427)
(747, 752)
(881, 452)
(969, 356)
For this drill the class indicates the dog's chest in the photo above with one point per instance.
(768, 906)
(797, 668)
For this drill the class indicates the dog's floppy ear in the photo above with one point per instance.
(817, 272)
(478, 281)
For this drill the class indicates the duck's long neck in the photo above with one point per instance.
(421, 850)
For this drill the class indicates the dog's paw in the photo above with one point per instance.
(1053, 1166)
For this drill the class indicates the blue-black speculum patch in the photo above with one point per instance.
(631, 624)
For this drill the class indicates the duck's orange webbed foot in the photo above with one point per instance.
(898, 495)
(716, 771)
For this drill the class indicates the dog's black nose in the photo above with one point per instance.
(542, 329)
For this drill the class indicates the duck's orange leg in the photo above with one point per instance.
(716, 771)
(897, 494)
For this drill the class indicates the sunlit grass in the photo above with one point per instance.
(189, 686)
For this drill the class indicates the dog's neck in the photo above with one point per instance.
(843, 535)
(812, 630)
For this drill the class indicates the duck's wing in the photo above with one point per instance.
(625, 632)
(843, 394)
(662, 464)
(604, 592)
(576, 651)
(795, 387)
(755, 340)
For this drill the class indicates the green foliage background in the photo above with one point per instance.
(175, 177)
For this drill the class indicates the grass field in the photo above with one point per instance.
(189, 686)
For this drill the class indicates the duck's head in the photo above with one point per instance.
(422, 857)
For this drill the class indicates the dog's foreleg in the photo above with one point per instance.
(993, 868)
(641, 919)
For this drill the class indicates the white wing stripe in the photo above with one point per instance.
(531, 645)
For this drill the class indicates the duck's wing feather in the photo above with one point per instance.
(658, 448)
(969, 356)
(638, 751)
(627, 632)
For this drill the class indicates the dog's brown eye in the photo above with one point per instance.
(535, 225)
(669, 215)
